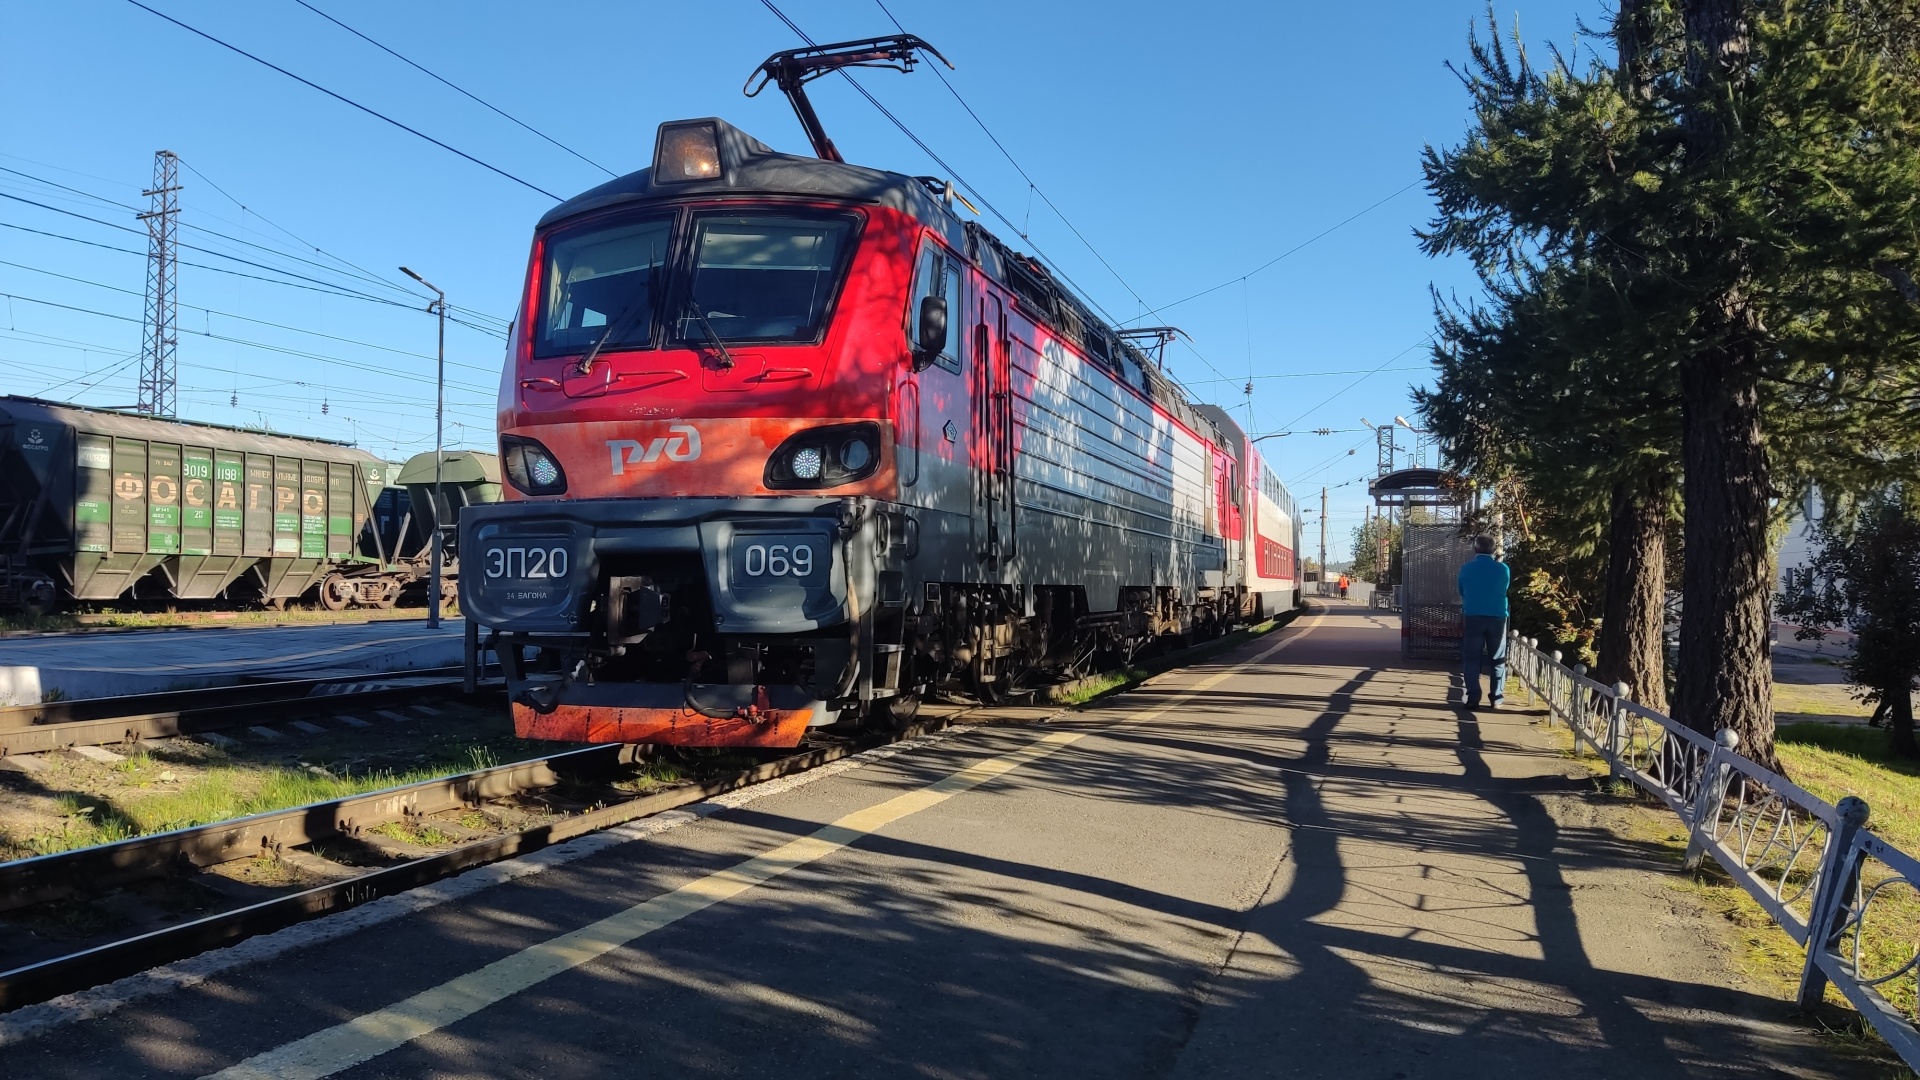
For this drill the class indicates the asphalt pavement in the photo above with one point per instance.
(1298, 859)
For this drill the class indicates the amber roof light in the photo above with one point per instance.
(686, 152)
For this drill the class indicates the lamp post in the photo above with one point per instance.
(1419, 441)
(437, 306)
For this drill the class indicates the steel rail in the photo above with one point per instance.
(50, 978)
(59, 725)
(36, 880)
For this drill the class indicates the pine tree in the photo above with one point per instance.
(1704, 250)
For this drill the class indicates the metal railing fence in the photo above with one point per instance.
(1841, 892)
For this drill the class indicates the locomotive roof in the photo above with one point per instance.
(97, 421)
(753, 166)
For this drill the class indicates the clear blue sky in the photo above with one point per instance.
(1188, 143)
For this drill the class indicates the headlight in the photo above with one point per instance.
(530, 467)
(825, 457)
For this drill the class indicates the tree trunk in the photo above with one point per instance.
(1632, 36)
(1900, 720)
(1632, 643)
(1725, 675)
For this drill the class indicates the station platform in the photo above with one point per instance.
(1298, 859)
(90, 664)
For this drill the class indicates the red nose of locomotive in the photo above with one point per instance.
(723, 323)
(700, 426)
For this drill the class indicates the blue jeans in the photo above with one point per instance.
(1484, 635)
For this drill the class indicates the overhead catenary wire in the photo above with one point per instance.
(321, 357)
(1031, 184)
(248, 318)
(190, 247)
(349, 101)
(1313, 374)
(1329, 230)
(204, 250)
(457, 89)
(332, 290)
(937, 159)
(69, 188)
(1084, 294)
(1331, 462)
(1330, 398)
(357, 271)
(255, 389)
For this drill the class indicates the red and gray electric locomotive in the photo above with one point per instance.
(789, 443)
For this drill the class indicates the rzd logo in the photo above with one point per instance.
(680, 443)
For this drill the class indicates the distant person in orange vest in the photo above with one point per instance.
(1343, 586)
(1483, 608)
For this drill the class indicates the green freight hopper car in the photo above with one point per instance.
(405, 518)
(97, 504)
(467, 478)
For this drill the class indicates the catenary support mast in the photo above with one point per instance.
(159, 372)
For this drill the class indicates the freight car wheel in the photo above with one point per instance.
(336, 593)
(42, 599)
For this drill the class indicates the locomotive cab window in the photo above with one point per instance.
(602, 281)
(764, 276)
(939, 275)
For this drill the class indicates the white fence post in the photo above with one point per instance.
(1575, 721)
(1838, 880)
(1714, 776)
(1617, 731)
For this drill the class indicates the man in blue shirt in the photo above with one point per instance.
(1483, 607)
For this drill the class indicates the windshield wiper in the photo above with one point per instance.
(618, 326)
(726, 358)
(620, 323)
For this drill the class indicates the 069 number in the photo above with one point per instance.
(779, 560)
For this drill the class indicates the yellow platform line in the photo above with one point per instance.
(362, 1039)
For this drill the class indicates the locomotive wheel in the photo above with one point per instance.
(449, 594)
(987, 691)
(895, 714)
(388, 598)
(336, 594)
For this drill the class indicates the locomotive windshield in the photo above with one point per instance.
(756, 277)
(764, 277)
(603, 282)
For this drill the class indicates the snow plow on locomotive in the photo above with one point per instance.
(788, 443)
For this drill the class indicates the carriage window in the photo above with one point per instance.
(602, 281)
(764, 277)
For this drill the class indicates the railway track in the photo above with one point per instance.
(589, 800)
(355, 820)
(63, 725)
